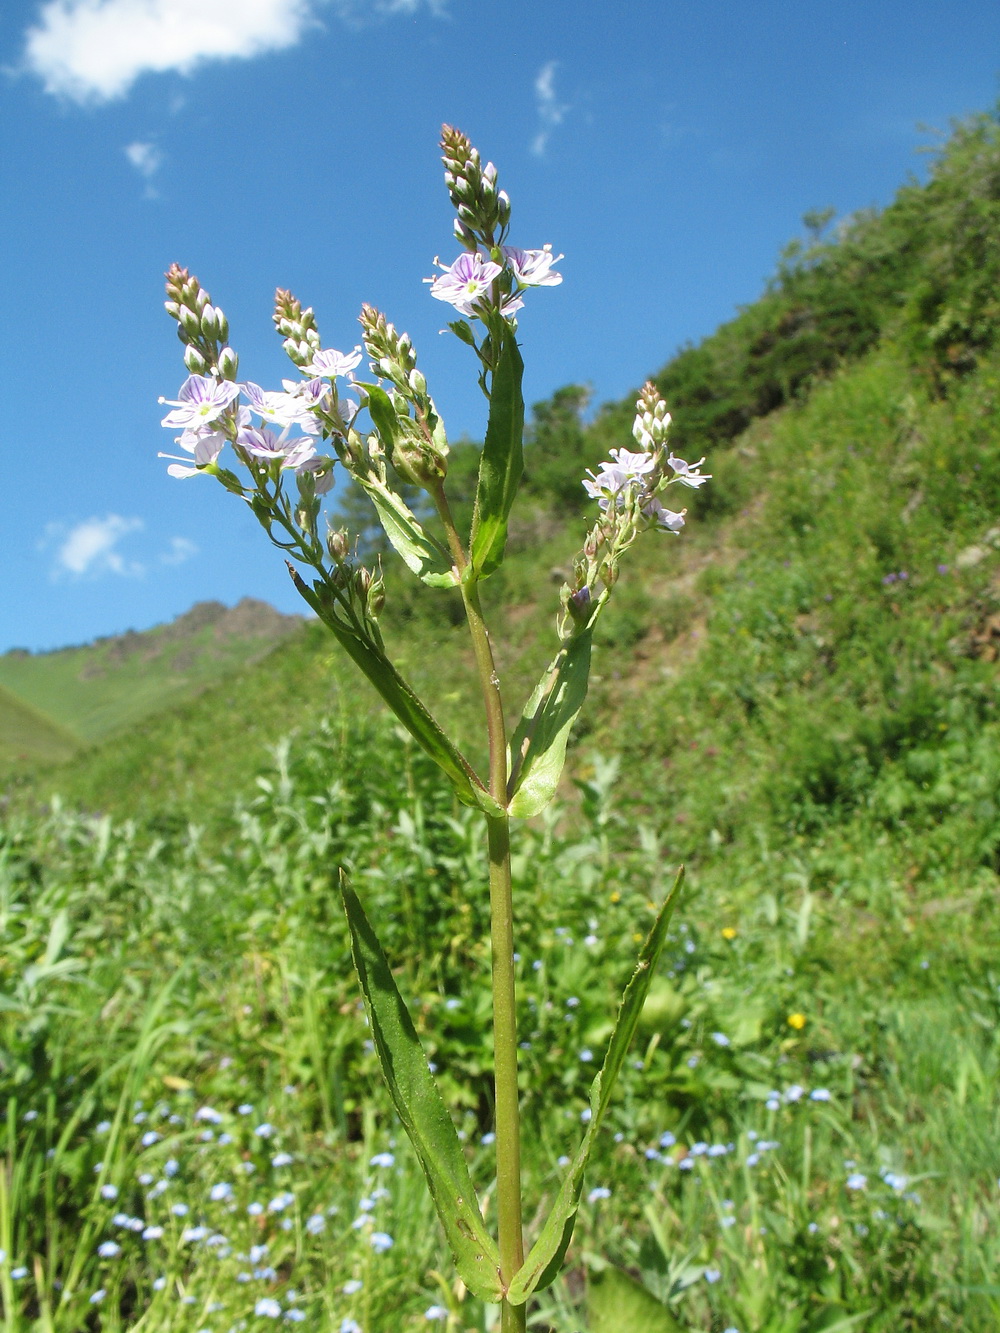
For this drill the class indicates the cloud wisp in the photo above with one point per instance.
(92, 51)
(147, 159)
(90, 549)
(551, 112)
(179, 550)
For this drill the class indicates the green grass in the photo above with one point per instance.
(102, 688)
(797, 699)
(28, 736)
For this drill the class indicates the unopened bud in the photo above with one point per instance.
(338, 544)
(190, 322)
(375, 600)
(194, 361)
(229, 363)
(417, 381)
(201, 300)
(579, 604)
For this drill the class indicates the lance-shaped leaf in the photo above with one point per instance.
(502, 460)
(421, 553)
(538, 746)
(546, 1255)
(400, 697)
(419, 1106)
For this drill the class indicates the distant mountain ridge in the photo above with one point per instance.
(88, 692)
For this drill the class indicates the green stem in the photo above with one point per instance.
(508, 1114)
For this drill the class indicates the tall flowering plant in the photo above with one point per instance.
(279, 452)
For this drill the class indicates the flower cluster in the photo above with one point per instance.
(628, 489)
(490, 275)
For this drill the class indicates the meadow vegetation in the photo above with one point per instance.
(799, 702)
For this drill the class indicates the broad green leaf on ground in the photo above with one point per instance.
(545, 1258)
(502, 462)
(538, 746)
(419, 1106)
(410, 709)
(616, 1302)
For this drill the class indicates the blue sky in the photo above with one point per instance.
(669, 149)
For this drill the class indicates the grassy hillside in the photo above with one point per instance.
(798, 698)
(101, 688)
(28, 736)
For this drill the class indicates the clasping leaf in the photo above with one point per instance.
(538, 746)
(419, 1106)
(502, 461)
(546, 1255)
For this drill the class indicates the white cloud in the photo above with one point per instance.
(91, 547)
(94, 50)
(180, 550)
(551, 112)
(145, 157)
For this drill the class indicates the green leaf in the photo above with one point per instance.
(538, 746)
(400, 697)
(382, 413)
(546, 1255)
(616, 1301)
(502, 461)
(419, 1106)
(426, 557)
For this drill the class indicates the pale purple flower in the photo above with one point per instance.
(202, 399)
(322, 469)
(263, 443)
(663, 517)
(331, 364)
(287, 408)
(687, 473)
(205, 442)
(532, 268)
(467, 281)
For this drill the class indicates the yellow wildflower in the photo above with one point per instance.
(797, 1021)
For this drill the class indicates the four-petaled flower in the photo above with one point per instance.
(466, 282)
(532, 268)
(331, 364)
(202, 400)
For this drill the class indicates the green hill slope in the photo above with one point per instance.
(825, 619)
(26, 735)
(99, 689)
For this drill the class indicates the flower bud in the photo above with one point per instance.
(375, 599)
(190, 322)
(338, 544)
(229, 363)
(194, 361)
(417, 381)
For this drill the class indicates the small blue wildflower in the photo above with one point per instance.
(315, 1224)
(856, 1181)
(712, 1274)
(487, 1139)
(599, 1192)
(435, 1314)
(381, 1241)
(152, 1233)
(265, 1130)
(221, 1191)
(245, 1109)
(268, 1308)
(171, 1167)
(98, 1296)
(282, 1159)
(820, 1095)
(179, 1209)
(295, 1316)
(109, 1191)
(108, 1249)
(720, 1039)
(159, 1283)
(18, 1273)
(149, 1138)
(564, 1161)
(586, 1055)
(103, 1127)
(794, 1093)
(383, 1159)
(352, 1286)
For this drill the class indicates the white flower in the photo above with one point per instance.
(331, 364)
(687, 473)
(532, 268)
(202, 399)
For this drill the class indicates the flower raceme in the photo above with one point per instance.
(636, 478)
(468, 283)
